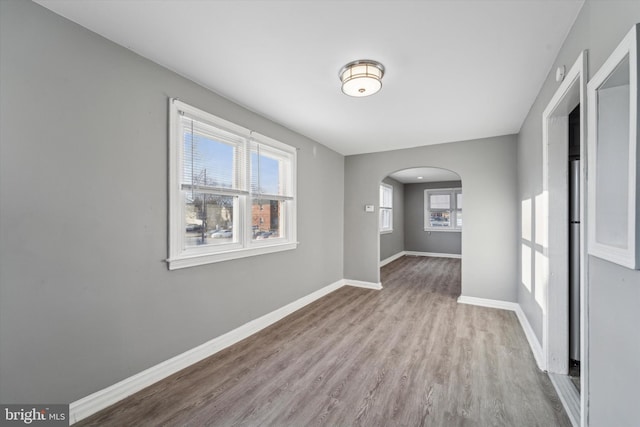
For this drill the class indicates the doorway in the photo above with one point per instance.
(575, 248)
(425, 215)
(556, 219)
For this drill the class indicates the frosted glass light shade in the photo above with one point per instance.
(361, 78)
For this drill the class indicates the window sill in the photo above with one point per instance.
(195, 260)
(446, 230)
(386, 231)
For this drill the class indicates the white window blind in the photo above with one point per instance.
(443, 209)
(440, 201)
(212, 158)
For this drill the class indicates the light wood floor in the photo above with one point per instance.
(408, 355)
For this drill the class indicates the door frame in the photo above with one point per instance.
(555, 139)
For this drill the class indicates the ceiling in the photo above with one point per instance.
(455, 70)
(417, 175)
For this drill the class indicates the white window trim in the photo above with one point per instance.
(390, 208)
(454, 202)
(246, 246)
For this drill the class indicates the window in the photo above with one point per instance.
(443, 209)
(386, 208)
(232, 191)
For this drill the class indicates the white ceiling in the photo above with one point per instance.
(455, 70)
(416, 175)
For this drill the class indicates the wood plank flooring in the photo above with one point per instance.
(407, 355)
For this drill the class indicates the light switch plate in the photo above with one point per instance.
(369, 208)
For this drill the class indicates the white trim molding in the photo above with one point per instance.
(391, 258)
(555, 235)
(555, 322)
(361, 284)
(99, 400)
(485, 302)
(534, 344)
(414, 253)
(624, 248)
(433, 254)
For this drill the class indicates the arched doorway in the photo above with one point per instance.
(421, 214)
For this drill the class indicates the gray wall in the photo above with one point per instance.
(487, 168)
(393, 243)
(614, 352)
(416, 238)
(86, 299)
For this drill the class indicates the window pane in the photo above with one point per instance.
(459, 200)
(440, 201)
(439, 219)
(459, 218)
(385, 219)
(265, 175)
(208, 219)
(386, 196)
(266, 219)
(206, 160)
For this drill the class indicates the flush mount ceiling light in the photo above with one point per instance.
(361, 78)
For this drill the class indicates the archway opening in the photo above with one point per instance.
(421, 214)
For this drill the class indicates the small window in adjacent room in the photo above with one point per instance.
(443, 209)
(232, 191)
(386, 208)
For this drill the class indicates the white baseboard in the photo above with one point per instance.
(99, 400)
(391, 258)
(491, 303)
(361, 284)
(414, 253)
(433, 254)
(534, 344)
(536, 348)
